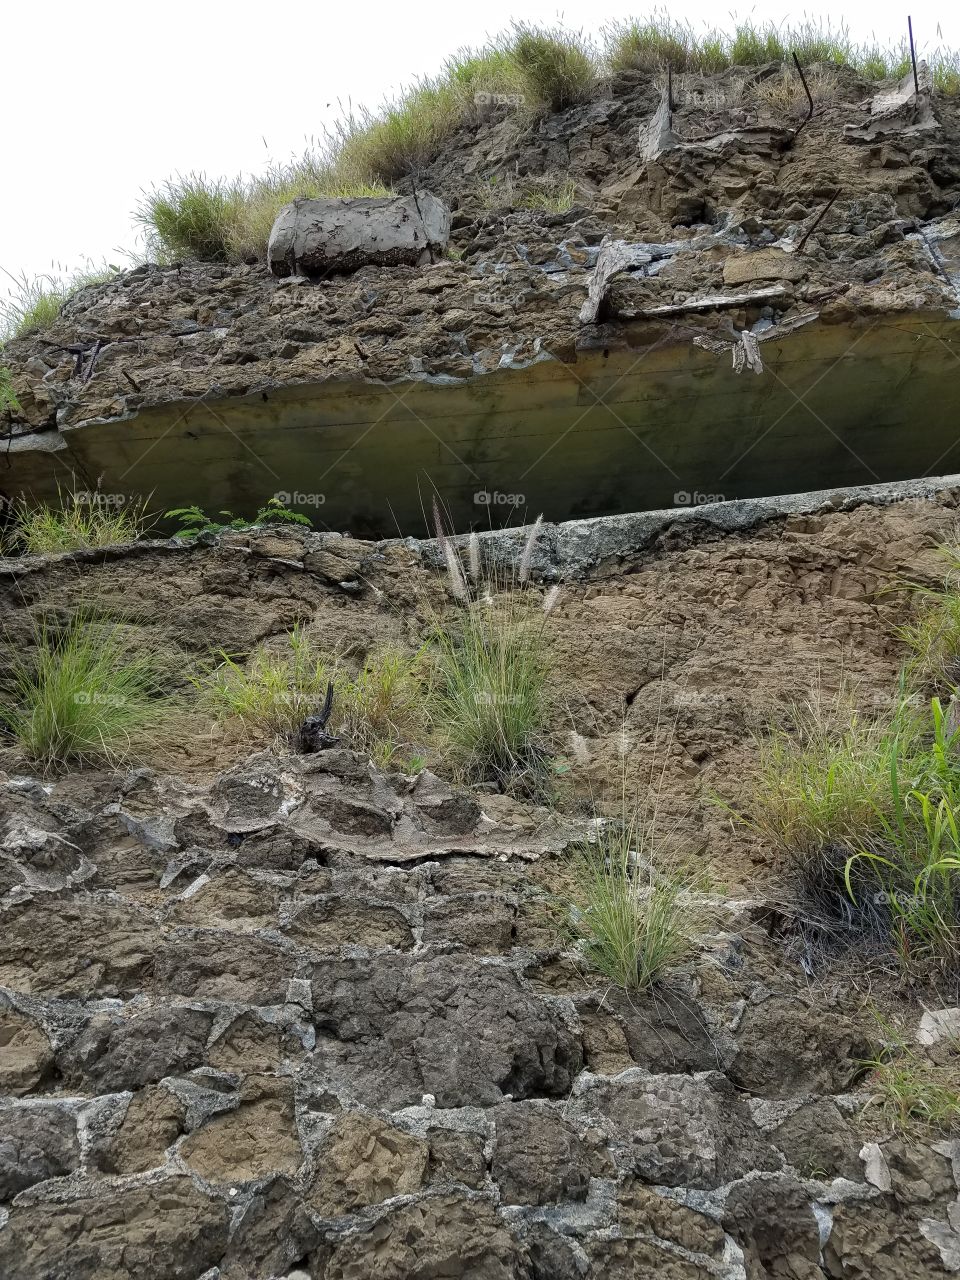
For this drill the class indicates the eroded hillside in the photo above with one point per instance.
(267, 1014)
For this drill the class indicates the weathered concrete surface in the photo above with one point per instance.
(522, 368)
(845, 403)
(329, 236)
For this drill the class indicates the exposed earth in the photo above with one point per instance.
(272, 1015)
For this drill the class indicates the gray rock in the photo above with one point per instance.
(318, 237)
(36, 1142)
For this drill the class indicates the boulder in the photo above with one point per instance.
(340, 235)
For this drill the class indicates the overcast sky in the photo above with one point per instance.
(104, 99)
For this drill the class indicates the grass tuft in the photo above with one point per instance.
(911, 1090)
(382, 711)
(82, 697)
(630, 921)
(34, 304)
(79, 522)
(492, 667)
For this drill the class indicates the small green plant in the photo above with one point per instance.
(555, 67)
(35, 303)
(82, 697)
(193, 521)
(382, 711)
(492, 670)
(916, 861)
(276, 689)
(933, 634)
(8, 397)
(911, 1090)
(79, 521)
(631, 922)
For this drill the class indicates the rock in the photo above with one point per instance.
(25, 1052)
(363, 1160)
(762, 264)
(818, 1142)
(939, 1024)
(116, 1053)
(773, 1221)
(257, 1138)
(36, 1142)
(152, 1122)
(338, 235)
(464, 1031)
(448, 1235)
(538, 1158)
(214, 964)
(89, 1230)
(676, 1130)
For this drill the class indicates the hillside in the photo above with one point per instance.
(578, 899)
(821, 256)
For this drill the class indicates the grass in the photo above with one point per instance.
(79, 521)
(933, 634)
(382, 711)
(630, 921)
(913, 1091)
(653, 43)
(83, 697)
(8, 397)
(35, 303)
(533, 68)
(275, 691)
(492, 668)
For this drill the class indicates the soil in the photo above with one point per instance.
(272, 1015)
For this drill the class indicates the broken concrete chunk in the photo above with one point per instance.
(334, 235)
(902, 110)
(764, 264)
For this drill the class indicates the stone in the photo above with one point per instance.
(26, 1055)
(677, 1130)
(456, 1156)
(447, 1235)
(88, 946)
(89, 1230)
(257, 1138)
(116, 1053)
(364, 1160)
(538, 1158)
(215, 964)
(762, 264)
(338, 235)
(818, 1142)
(36, 1142)
(152, 1122)
(328, 924)
(939, 1024)
(465, 1031)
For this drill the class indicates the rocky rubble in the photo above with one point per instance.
(744, 241)
(312, 1019)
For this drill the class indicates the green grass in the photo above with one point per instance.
(492, 664)
(911, 1090)
(8, 397)
(655, 42)
(82, 697)
(34, 304)
(630, 921)
(556, 68)
(275, 690)
(382, 711)
(78, 522)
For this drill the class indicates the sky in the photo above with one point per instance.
(106, 99)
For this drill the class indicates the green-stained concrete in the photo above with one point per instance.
(627, 430)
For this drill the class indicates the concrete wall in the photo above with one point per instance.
(622, 431)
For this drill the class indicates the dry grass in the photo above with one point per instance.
(33, 304)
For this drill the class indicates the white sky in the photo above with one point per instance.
(105, 98)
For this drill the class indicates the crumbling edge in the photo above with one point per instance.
(568, 550)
